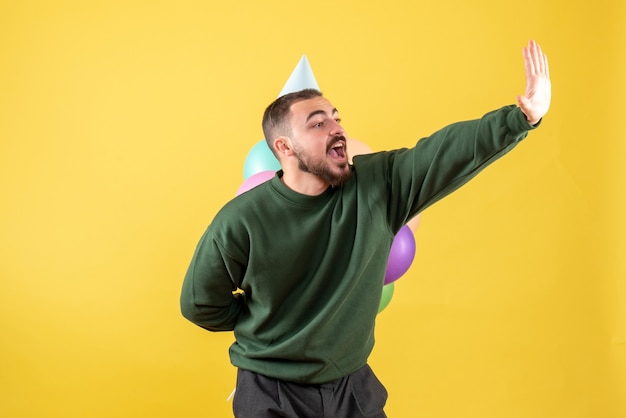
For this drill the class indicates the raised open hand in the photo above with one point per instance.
(536, 99)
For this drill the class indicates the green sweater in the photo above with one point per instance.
(312, 267)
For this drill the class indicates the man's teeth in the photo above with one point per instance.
(337, 150)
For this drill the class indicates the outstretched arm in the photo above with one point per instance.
(536, 99)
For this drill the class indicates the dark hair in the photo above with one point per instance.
(275, 117)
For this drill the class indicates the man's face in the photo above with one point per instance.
(319, 141)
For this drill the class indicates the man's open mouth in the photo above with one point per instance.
(338, 149)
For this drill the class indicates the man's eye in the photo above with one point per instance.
(338, 120)
(318, 125)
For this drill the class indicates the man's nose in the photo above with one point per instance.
(337, 129)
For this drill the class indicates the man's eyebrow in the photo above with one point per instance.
(319, 112)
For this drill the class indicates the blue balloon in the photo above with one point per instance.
(260, 158)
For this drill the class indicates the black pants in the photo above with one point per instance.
(358, 395)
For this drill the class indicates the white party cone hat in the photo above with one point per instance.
(301, 78)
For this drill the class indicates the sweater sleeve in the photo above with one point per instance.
(208, 296)
(449, 158)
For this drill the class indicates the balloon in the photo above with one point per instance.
(401, 254)
(386, 298)
(414, 223)
(255, 180)
(260, 158)
(356, 147)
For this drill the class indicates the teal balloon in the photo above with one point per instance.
(260, 158)
(387, 295)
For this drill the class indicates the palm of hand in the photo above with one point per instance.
(536, 99)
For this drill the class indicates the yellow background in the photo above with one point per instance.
(124, 126)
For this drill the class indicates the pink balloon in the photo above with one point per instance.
(401, 254)
(414, 223)
(254, 180)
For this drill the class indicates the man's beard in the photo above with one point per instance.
(323, 169)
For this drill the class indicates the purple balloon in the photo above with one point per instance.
(254, 180)
(401, 254)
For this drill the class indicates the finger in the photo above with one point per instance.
(528, 62)
(526, 107)
(535, 51)
(542, 60)
(538, 56)
(522, 101)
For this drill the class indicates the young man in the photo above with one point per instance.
(296, 265)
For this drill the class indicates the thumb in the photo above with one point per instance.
(526, 106)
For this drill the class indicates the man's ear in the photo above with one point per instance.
(282, 145)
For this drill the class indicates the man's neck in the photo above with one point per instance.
(304, 183)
